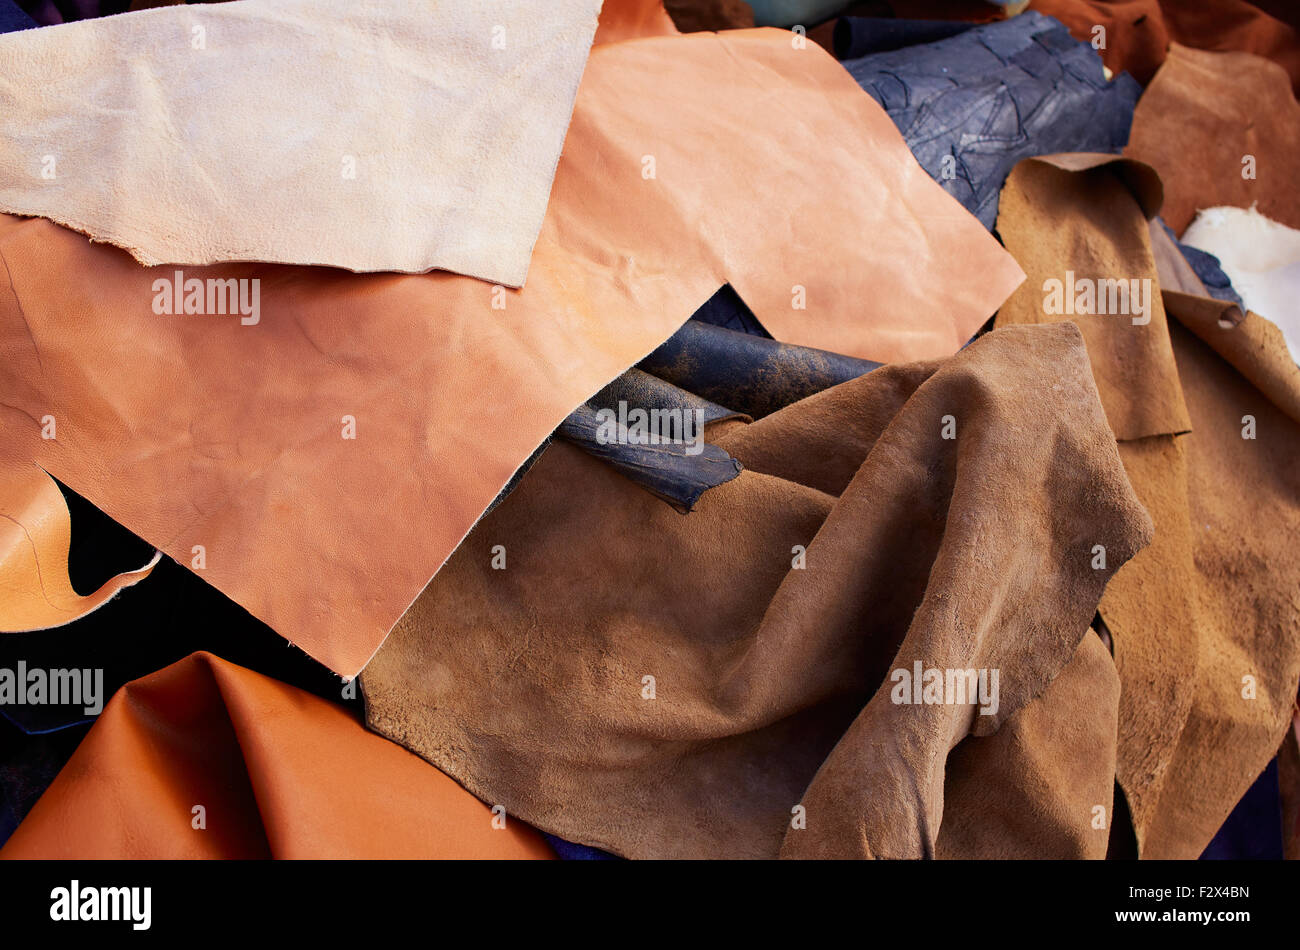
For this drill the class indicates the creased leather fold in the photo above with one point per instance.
(35, 538)
(277, 773)
(1206, 620)
(667, 686)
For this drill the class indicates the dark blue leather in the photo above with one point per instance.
(993, 95)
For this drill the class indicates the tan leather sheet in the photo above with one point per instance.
(392, 135)
(1221, 129)
(318, 464)
(722, 684)
(206, 759)
(35, 536)
(1205, 621)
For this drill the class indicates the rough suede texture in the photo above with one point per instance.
(771, 679)
(1216, 597)
(1202, 114)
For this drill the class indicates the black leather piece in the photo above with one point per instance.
(860, 36)
(746, 373)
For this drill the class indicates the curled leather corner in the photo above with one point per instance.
(36, 592)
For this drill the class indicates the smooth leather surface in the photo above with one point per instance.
(36, 591)
(279, 772)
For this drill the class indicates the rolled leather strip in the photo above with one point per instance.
(36, 591)
(747, 373)
(859, 36)
(678, 472)
(857, 541)
(206, 759)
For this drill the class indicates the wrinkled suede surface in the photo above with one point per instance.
(528, 684)
(1206, 620)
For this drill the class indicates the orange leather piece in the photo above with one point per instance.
(279, 773)
(35, 536)
(198, 432)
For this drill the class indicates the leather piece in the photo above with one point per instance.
(327, 539)
(747, 373)
(526, 684)
(1139, 32)
(856, 36)
(1253, 832)
(1213, 598)
(972, 105)
(36, 591)
(280, 773)
(1199, 118)
(1086, 215)
(1188, 269)
(671, 472)
(159, 151)
(632, 19)
(1263, 259)
(849, 166)
(1055, 754)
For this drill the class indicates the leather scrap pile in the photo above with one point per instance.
(683, 429)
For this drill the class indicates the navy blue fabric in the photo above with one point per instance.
(1207, 268)
(12, 18)
(857, 36)
(1253, 832)
(993, 95)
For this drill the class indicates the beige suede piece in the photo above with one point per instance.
(1073, 214)
(1216, 596)
(381, 135)
(770, 681)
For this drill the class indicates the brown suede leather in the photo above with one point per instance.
(1202, 114)
(771, 680)
(1138, 31)
(279, 772)
(1215, 596)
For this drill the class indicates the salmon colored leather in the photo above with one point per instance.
(279, 772)
(35, 537)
